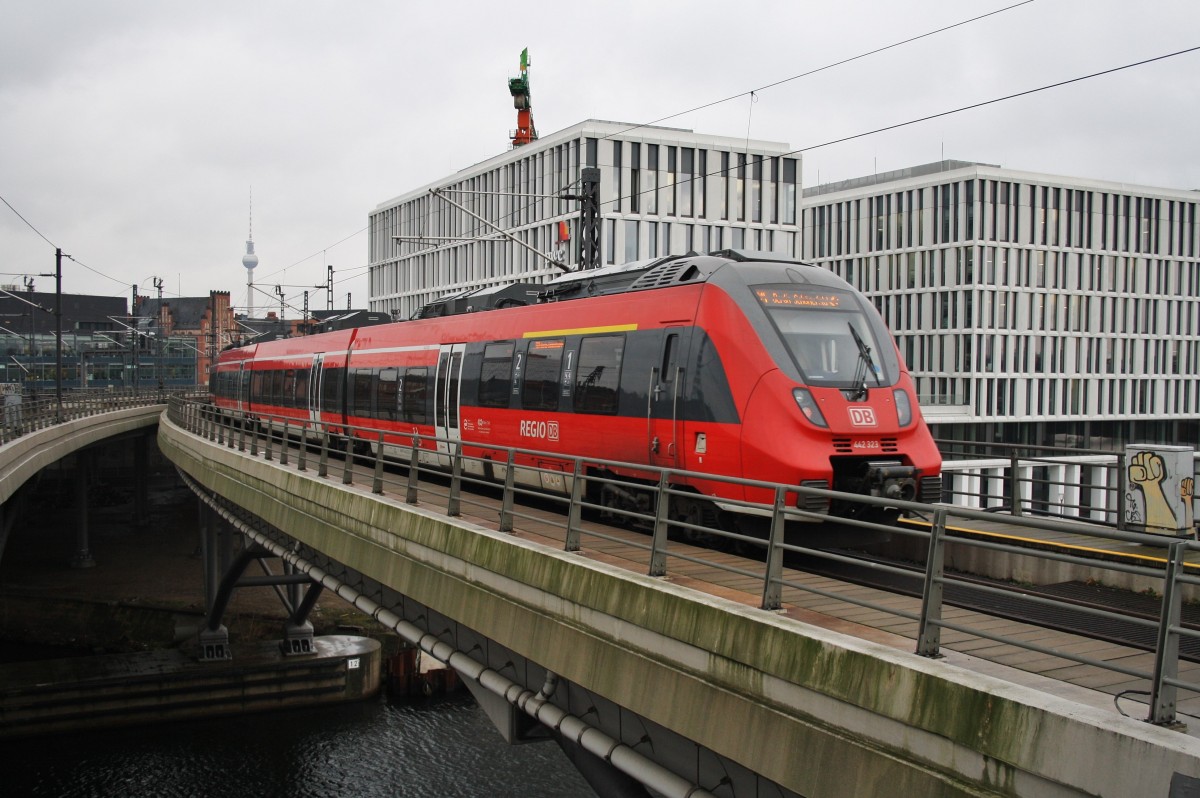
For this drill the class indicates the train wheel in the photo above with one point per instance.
(696, 512)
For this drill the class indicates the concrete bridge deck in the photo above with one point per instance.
(823, 698)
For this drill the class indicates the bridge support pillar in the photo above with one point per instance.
(83, 477)
(214, 551)
(141, 495)
(8, 515)
(224, 572)
(297, 639)
(214, 644)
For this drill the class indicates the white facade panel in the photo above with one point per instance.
(663, 191)
(1022, 297)
(1015, 297)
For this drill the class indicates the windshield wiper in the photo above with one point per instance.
(864, 363)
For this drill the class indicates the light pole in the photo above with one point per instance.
(29, 291)
(133, 340)
(158, 283)
(282, 304)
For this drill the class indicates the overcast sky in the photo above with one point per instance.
(132, 132)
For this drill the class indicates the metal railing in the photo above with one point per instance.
(647, 505)
(19, 418)
(1022, 479)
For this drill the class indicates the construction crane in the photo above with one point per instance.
(523, 102)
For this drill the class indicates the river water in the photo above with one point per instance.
(441, 747)
(432, 748)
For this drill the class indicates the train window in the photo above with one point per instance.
(451, 377)
(277, 386)
(829, 337)
(287, 397)
(301, 388)
(707, 396)
(414, 395)
(362, 391)
(599, 374)
(331, 384)
(386, 405)
(542, 366)
(244, 386)
(495, 377)
(670, 356)
(259, 385)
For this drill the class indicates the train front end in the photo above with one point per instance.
(835, 406)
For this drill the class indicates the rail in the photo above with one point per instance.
(289, 441)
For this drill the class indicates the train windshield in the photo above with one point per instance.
(829, 336)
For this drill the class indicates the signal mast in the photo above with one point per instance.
(518, 87)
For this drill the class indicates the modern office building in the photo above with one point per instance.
(1030, 308)
(662, 190)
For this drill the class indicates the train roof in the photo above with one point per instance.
(638, 275)
(681, 269)
(746, 267)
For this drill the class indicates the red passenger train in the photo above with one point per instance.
(734, 364)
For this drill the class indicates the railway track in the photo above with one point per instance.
(1068, 615)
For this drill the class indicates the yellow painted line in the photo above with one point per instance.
(582, 331)
(1052, 543)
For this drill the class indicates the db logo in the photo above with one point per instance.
(862, 417)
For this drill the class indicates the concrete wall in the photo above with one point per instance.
(819, 713)
(20, 459)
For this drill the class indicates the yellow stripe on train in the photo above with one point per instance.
(581, 331)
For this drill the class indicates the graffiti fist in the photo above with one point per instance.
(1147, 467)
(1147, 472)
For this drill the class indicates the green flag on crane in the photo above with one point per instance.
(525, 59)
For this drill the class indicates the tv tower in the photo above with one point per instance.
(250, 260)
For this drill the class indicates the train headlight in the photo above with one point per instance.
(808, 406)
(903, 407)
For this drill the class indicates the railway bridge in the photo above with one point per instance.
(38, 434)
(717, 675)
(672, 679)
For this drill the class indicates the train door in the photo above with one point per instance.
(316, 379)
(663, 404)
(242, 387)
(445, 400)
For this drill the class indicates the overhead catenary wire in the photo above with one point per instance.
(473, 232)
(928, 117)
(510, 215)
(28, 223)
(994, 100)
(832, 65)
